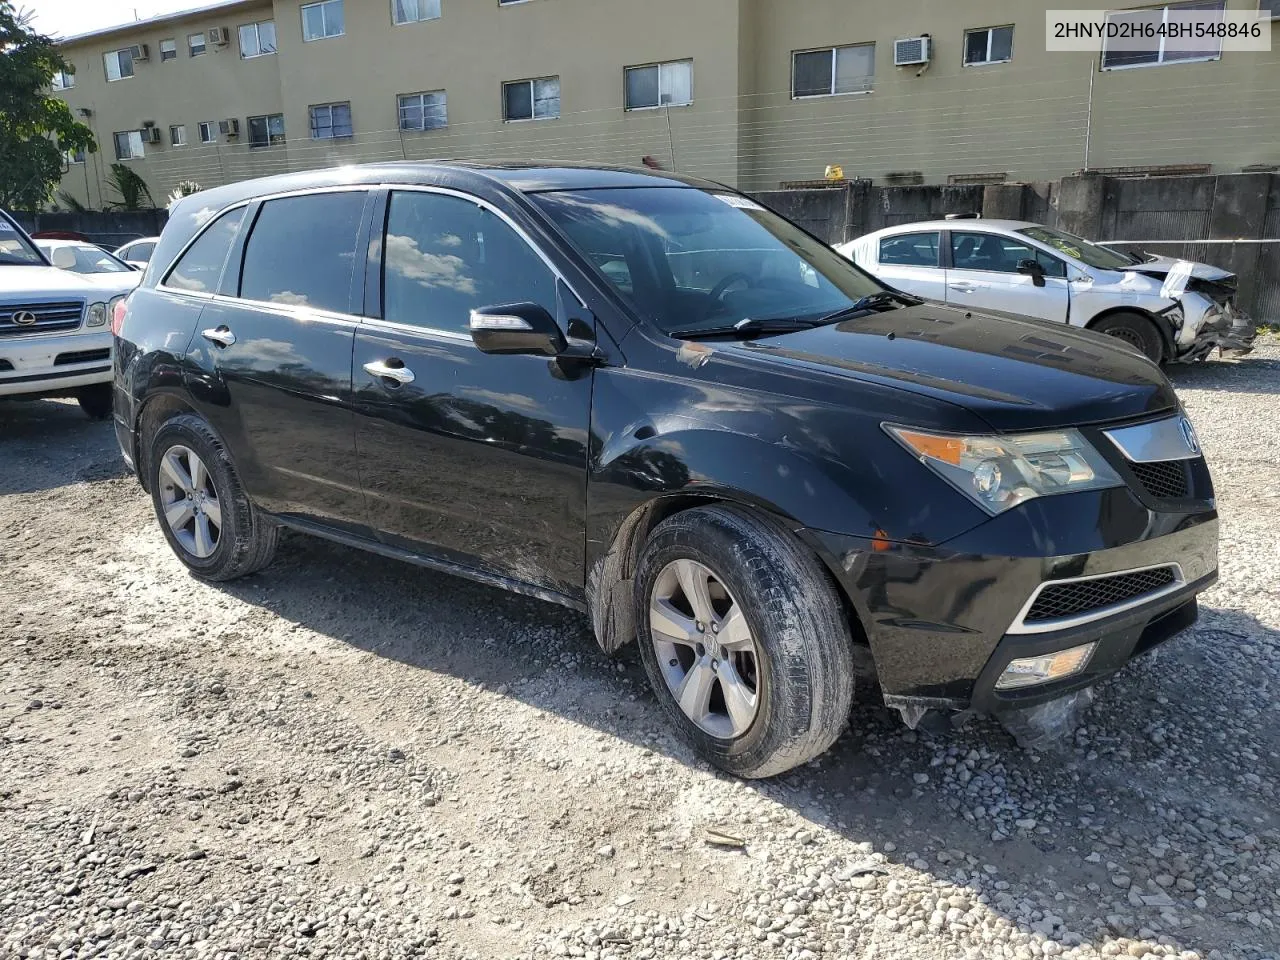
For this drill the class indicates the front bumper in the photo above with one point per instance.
(50, 365)
(1232, 332)
(941, 620)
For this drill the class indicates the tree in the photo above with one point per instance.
(131, 187)
(36, 128)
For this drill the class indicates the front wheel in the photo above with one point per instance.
(96, 400)
(1135, 330)
(744, 640)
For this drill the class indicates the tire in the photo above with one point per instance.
(1135, 330)
(245, 540)
(800, 672)
(96, 401)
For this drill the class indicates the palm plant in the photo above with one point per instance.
(131, 188)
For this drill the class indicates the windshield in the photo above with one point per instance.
(15, 247)
(84, 258)
(1087, 253)
(687, 259)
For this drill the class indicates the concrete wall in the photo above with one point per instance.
(109, 229)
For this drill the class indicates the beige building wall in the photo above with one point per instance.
(1029, 118)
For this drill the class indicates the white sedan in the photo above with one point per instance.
(91, 262)
(1171, 310)
(137, 252)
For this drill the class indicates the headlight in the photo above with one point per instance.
(1000, 472)
(97, 315)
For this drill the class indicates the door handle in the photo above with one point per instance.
(962, 287)
(399, 373)
(221, 335)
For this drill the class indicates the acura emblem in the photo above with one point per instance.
(24, 318)
(1189, 435)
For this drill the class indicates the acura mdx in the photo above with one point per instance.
(647, 397)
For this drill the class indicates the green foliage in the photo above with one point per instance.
(36, 128)
(184, 189)
(131, 188)
(70, 202)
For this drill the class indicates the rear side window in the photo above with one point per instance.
(200, 268)
(302, 251)
(910, 249)
(446, 256)
(140, 252)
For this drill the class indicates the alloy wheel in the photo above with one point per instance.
(705, 649)
(190, 501)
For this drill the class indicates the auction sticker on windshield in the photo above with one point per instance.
(742, 203)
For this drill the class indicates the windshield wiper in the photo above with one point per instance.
(870, 302)
(750, 327)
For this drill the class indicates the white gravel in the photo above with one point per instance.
(347, 757)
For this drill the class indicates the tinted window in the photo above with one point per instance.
(446, 256)
(141, 252)
(989, 251)
(200, 268)
(302, 251)
(912, 249)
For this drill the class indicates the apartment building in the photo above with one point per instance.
(749, 92)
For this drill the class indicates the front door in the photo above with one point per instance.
(277, 357)
(910, 262)
(984, 275)
(474, 458)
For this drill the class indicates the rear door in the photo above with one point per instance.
(274, 351)
(912, 262)
(983, 274)
(470, 457)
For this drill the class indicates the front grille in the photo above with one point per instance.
(49, 317)
(82, 356)
(1164, 480)
(1058, 600)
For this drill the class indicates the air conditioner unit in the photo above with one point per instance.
(219, 36)
(150, 134)
(139, 52)
(229, 128)
(911, 51)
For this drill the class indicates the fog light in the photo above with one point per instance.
(1052, 666)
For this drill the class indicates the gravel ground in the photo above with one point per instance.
(347, 757)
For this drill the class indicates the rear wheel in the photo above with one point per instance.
(1135, 330)
(96, 400)
(744, 640)
(203, 510)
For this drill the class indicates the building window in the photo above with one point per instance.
(330, 121)
(118, 64)
(208, 131)
(74, 156)
(63, 79)
(988, 45)
(1158, 49)
(195, 44)
(531, 99)
(266, 131)
(1268, 10)
(322, 20)
(423, 111)
(178, 135)
(257, 39)
(412, 11)
(834, 70)
(168, 50)
(659, 85)
(129, 145)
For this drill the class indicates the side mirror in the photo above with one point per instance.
(517, 328)
(1034, 269)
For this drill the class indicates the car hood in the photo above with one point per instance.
(1015, 372)
(24, 281)
(1160, 266)
(114, 283)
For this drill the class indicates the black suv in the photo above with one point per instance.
(648, 397)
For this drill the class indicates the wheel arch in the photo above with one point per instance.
(1162, 326)
(158, 409)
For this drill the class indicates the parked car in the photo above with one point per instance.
(54, 334)
(645, 396)
(104, 269)
(1171, 310)
(137, 252)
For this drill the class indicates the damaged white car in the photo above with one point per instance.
(1171, 310)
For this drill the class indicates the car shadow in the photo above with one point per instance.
(1249, 374)
(964, 807)
(40, 432)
